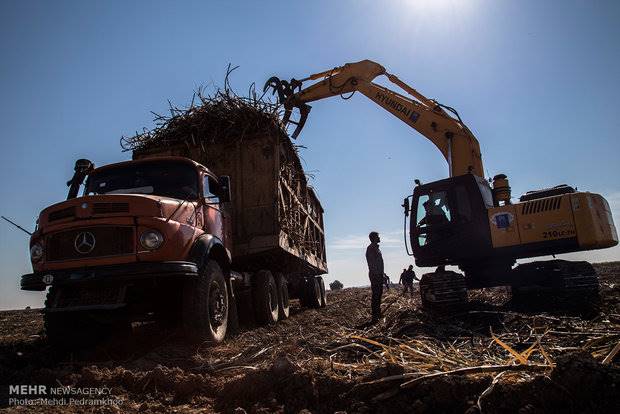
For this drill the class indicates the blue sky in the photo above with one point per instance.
(537, 83)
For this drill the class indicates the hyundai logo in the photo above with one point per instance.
(84, 242)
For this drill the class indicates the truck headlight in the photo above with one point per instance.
(151, 239)
(36, 252)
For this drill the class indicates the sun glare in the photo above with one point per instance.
(435, 6)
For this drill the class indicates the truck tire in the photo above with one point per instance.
(73, 330)
(70, 331)
(205, 305)
(311, 293)
(283, 297)
(265, 298)
(58, 327)
(323, 292)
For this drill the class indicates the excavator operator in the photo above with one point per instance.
(435, 215)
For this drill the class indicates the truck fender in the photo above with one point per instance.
(209, 246)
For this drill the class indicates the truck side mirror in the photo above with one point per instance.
(224, 182)
(405, 205)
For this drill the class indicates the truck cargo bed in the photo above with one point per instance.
(277, 219)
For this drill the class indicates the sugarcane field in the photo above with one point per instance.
(408, 206)
(491, 357)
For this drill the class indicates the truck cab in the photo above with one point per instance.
(145, 211)
(120, 251)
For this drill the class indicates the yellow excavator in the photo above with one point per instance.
(465, 220)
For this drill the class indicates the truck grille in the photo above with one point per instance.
(108, 241)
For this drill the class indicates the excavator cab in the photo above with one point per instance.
(448, 220)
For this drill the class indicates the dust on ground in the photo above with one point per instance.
(331, 359)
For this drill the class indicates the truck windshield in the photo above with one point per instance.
(168, 179)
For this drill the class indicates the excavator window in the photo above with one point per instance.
(485, 191)
(433, 214)
(421, 212)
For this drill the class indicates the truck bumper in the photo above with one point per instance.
(117, 273)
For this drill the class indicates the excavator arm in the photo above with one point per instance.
(450, 135)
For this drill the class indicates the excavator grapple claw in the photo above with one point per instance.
(277, 85)
(304, 110)
(286, 91)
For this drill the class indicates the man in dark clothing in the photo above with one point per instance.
(434, 215)
(407, 280)
(435, 220)
(386, 281)
(375, 273)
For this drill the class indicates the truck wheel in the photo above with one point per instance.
(283, 298)
(58, 327)
(67, 331)
(265, 298)
(312, 292)
(70, 330)
(323, 293)
(205, 305)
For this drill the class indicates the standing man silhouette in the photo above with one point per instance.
(375, 273)
(406, 278)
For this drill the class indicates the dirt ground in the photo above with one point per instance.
(329, 360)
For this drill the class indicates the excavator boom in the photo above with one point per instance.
(450, 135)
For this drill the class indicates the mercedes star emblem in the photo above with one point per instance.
(84, 242)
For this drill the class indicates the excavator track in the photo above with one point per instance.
(443, 291)
(571, 282)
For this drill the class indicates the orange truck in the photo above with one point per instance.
(162, 238)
